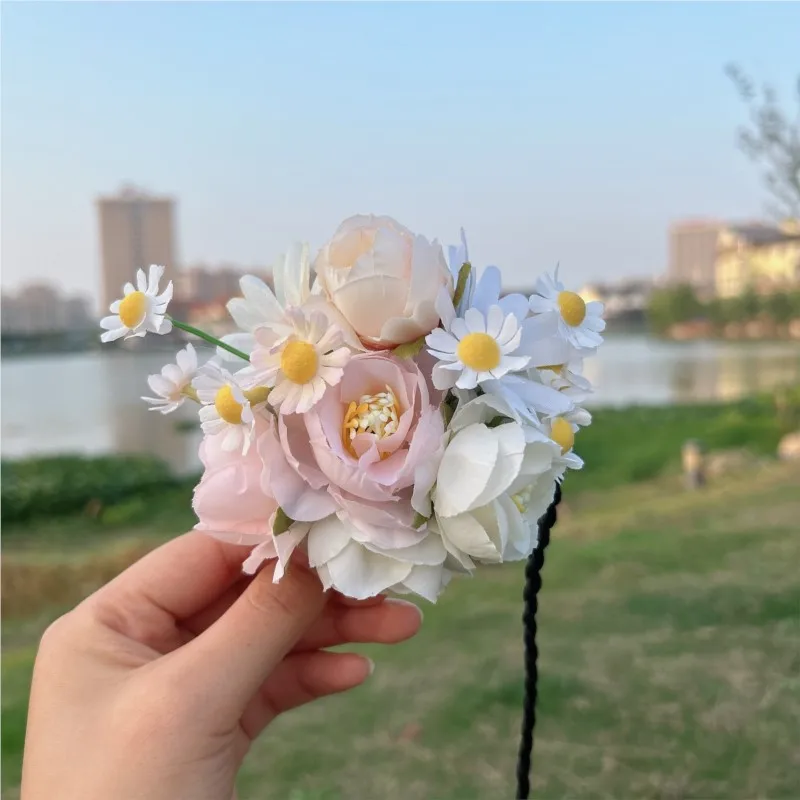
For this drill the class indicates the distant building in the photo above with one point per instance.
(209, 284)
(693, 254)
(761, 257)
(136, 230)
(624, 298)
(42, 309)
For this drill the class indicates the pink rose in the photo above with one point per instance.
(359, 450)
(232, 500)
(383, 279)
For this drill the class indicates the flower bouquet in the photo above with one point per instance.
(384, 408)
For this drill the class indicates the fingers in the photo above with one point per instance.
(388, 623)
(177, 579)
(379, 621)
(299, 679)
(238, 651)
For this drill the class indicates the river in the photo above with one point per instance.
(88, 402)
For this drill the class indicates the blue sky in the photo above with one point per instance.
(552, 132)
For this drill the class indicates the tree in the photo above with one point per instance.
(671, 305)
(772, 140)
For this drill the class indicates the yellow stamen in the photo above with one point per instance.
(479, 351)
(378, 414)
(132, 309)
(299, 362)
(257, 395)
(227, 406)
(561, 433)
(554, 368)
(572, 307)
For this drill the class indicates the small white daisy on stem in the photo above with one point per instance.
(576, 321)
(298, 367)
(476, 348)
(227, 407)
(174, 384)
(141, 310)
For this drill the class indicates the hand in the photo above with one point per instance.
(156, 685)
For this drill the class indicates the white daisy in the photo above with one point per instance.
(141, 310)
(228, 407)
(260, 306)
(568, 379)
(476, 348)
(578, 322)
(298, 361)
(562, 430)
(174, 384)
(529, 396)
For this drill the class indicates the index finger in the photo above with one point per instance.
(177, 579)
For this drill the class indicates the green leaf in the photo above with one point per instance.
(419, 519)
(282, 522)
(409, 349)
(461, 283)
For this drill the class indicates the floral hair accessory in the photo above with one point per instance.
(394, 415)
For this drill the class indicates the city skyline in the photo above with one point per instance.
(551, 133)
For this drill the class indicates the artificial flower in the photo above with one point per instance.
(227, 407)
(482, 470)
(383, 279)
(174, 384)
(141, 310)
(299, 362)
(579, 323)
(260, 306)
(476, 348)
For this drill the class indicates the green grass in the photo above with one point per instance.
(670, 665)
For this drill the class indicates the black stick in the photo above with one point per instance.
(533, 582)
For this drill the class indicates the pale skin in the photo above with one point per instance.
(156, 685)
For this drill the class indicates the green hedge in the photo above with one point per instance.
(42, 487)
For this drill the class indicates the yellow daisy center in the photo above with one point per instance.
(227, 406)
(561, 433)
(257, 395)
(132, 309)
(373, 413)
(572, 307)
(299, 362)
(479, 351)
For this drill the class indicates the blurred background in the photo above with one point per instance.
(653, 150)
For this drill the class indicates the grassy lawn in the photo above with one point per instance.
(670, 667)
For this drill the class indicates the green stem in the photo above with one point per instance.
(208, 338)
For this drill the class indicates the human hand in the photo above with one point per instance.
(156, 685)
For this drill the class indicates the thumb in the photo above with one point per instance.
(239, 651)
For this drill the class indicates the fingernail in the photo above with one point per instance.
(396, 601)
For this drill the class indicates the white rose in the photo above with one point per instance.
(490, 483)
(383, 279)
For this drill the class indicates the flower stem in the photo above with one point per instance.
(208, 338)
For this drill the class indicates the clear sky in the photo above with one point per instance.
(552, 132)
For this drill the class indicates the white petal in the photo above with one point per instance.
(494, 321)
(475, 321)
(441, 340)
(326, 539)
(443, 378)
(467, 466)
(511, 450)
(487, 290)
(515, 304)
(540, 305)
(359, 573)
(425, 581)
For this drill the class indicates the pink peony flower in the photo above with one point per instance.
(360, 447)
(350, 466)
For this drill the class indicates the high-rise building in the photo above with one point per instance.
(136, 229)
(693, 254)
